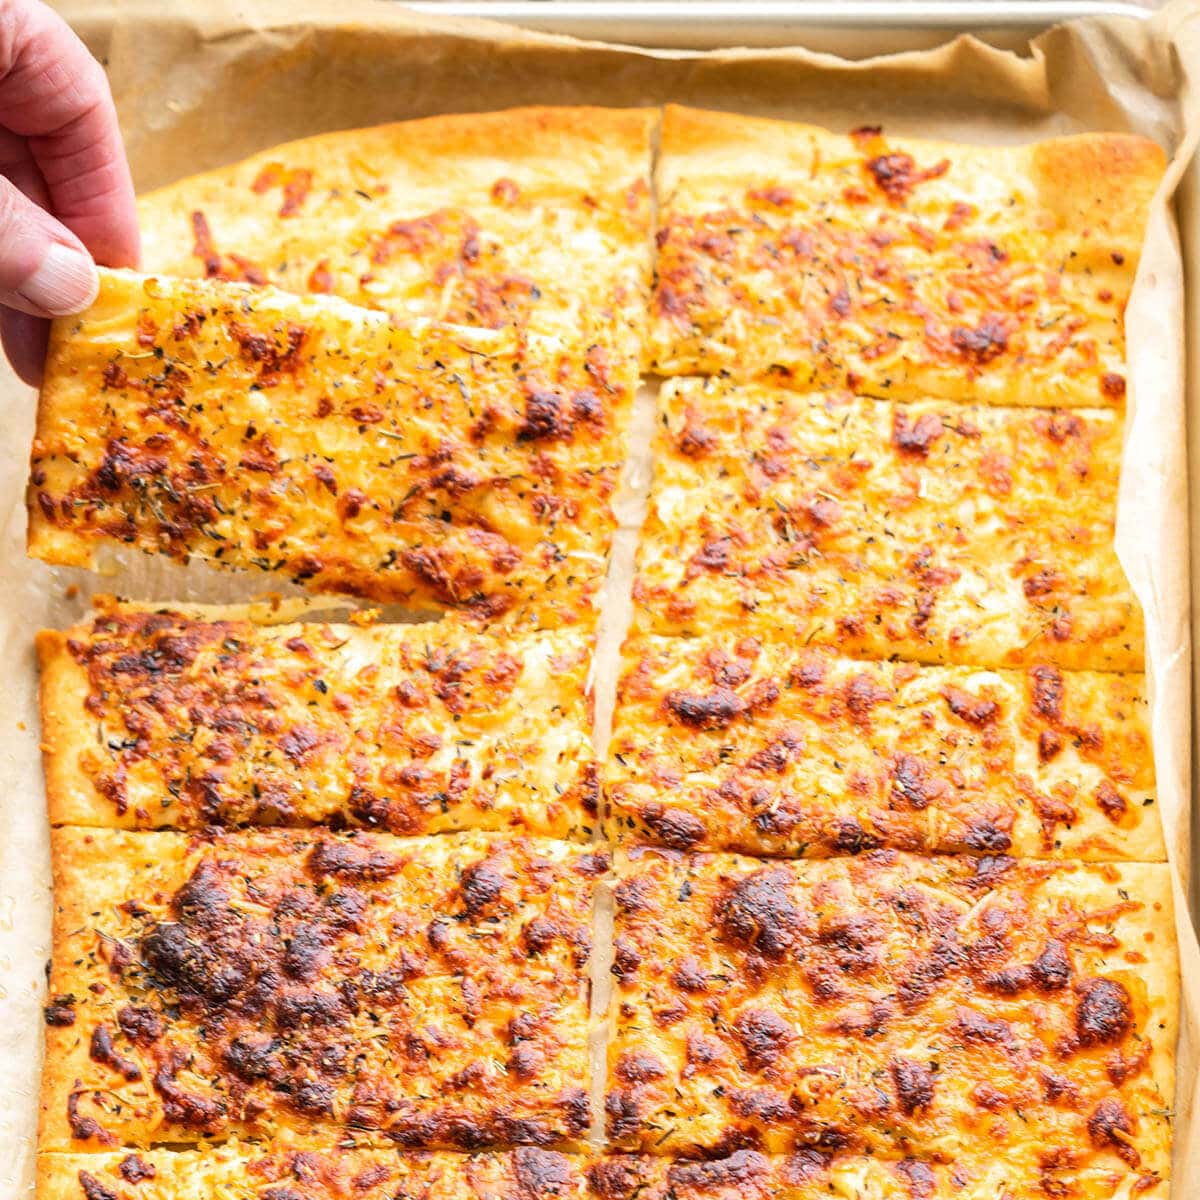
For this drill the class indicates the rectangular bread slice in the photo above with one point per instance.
(898, 267)
(535, 219)
(154, 717)
(725, 742)
(930, 531)
(419, 993)
(276, 1171)
(433, 466)
(977, 1010)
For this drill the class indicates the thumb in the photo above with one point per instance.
(44, 269)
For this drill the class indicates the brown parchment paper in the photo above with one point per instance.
(203, 82)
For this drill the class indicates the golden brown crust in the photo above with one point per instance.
(423, 993)
(1099, 185)
(726, 742)
(898, 267)
(931, 531)
(62, 690)
(983, 1011)
(155, 719)
(534, 218)
(435, 466)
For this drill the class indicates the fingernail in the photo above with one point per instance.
(65, 282)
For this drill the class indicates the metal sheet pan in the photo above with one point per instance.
(849, 28)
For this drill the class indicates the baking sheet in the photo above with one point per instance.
(206, 82)
(851, 28)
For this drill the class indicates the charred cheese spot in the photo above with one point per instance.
(915, 437)
(758, 914)
(1104, 1014)
(713, 710)
(481, 887)
(1111, 1126)
(914, 1083)
(93, 1189)
(764, 1036)
(670, 827)
(1051, 969)
(60, 1011)
(134, 1169)
(897, 174)
(348, 860)
(639, 1066)
(744, 1170)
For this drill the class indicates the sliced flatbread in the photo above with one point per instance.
(897, 267)
(983, 1012)
(433, 466)
(421, 993)
(157, 718)
(244, 1171)
(815, 1173)
(931, 531)
(723, 742)
(535, 218)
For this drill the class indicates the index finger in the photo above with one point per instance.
(55, 94)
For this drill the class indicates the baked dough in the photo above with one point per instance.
(930, 531)
(154, 717)
(433, 466)
(897, 267)
(985, 1012)
(402, 367)
(726, 742)
(420, 993)
(535, 218)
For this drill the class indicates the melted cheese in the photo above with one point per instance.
(434, 466)
(537, 218)
(897, 267)
(154, 718)
(932, 531)
(973, 1011)
(417, 993)
(722, 742)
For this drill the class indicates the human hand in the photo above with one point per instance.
(66, 196)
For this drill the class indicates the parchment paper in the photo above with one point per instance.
(203, 82)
